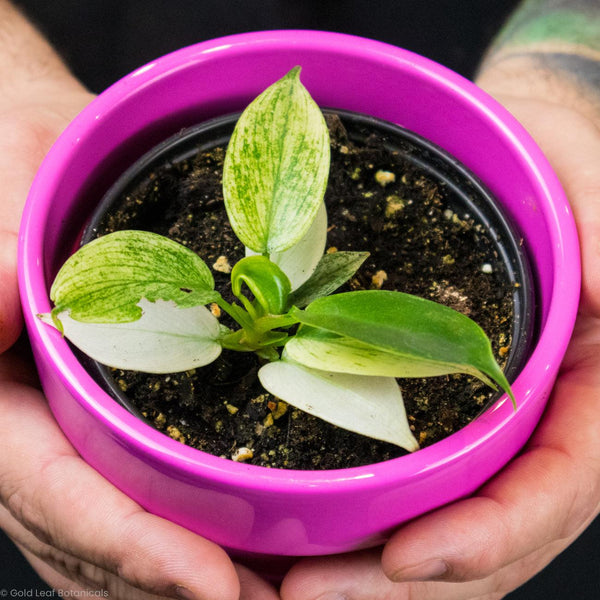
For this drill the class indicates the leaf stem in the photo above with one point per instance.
(237, 313)
(270, 322)
(255, 335)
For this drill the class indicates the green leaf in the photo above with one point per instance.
(332, 271)
(378, 332)
(104, 281)
(267, 282)
(165, 339)
(276, 167)
(370, 406)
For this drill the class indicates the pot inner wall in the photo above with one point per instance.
(460, 197)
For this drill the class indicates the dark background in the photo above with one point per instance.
(104, 40)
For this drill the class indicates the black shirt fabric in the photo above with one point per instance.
(102, 40)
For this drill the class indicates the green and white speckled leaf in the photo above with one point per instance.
(371, 406)
(300, 261)
(276, 167)
(104, 281)
(165, 339)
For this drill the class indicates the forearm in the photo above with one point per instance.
(38, 98)
(29, 66)
(545, 68)
(549, 50)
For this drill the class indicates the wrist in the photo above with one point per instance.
(30, 69)
(548, 51)
(536, 77)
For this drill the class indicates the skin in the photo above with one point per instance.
(483, 547)
(559, 39)
(480, 548)
(77, 530)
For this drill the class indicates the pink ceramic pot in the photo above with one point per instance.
(251, 509)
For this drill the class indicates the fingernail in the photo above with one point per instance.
(333, 596)
(183, 593)
(425, 571)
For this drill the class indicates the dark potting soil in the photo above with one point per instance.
(377, 202)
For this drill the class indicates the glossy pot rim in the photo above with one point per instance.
(156, 447)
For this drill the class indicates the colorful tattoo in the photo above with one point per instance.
(562, 22)
(560, 36)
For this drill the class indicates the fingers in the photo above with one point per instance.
(486, 545)
(474, 539)
(11, 320)
(253, 587)
(546, 495)
(48, 574)
(66, 572)
(343, 577)
(39, 97)
(360, 577)
(69, 507)
(574, 156)
(90, 577)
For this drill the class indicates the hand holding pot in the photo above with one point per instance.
(81, 533)
(38, 98)
(76, 529)
(517, 523)
(538, 505)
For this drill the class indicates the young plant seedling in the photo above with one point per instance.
(136, 300)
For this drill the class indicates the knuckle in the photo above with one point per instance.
(32, 499)
(152, 576)
(19, 504)
(584, 501)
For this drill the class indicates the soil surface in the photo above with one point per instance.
(376, 201)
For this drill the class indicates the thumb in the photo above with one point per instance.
(59, 507)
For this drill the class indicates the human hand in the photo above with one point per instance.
(487, 545)
(77, 530)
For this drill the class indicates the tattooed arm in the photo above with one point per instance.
(549, 50)
(545, 68)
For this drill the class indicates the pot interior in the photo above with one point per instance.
(463, 193)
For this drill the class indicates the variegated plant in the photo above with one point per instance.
(136, 300)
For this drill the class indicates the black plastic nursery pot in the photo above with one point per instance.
(431, 229)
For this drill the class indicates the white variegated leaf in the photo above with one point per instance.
(300, 261)
(165, 339)
(370, 406)
(315, 348)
